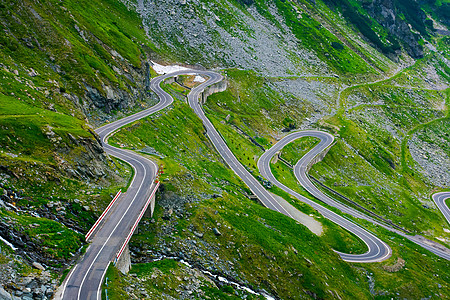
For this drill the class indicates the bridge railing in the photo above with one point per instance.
(125, 243)
(91, 231)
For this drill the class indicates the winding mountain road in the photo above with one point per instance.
(378, 250)
(439, 199)
(85, 279)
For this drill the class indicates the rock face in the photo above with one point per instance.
(108, 102)
(99, 102)
(35, 286)
(4, 295)
(195, 31)
(111, 98)
(385, 12)
(38, 266)
(90, 163)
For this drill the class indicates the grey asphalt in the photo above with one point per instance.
(84, 281)
(378, 250)
(439, 199)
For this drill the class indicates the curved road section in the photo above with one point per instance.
(85, 280)
(439, 199)
(378, 250)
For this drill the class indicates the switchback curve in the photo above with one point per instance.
(300, 172)
(85, 280)
(378, 250)
(439, 199)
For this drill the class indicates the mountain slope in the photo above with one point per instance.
(374, 73)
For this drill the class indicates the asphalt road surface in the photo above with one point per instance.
(85, 279)
(439, 199)
(378, 250)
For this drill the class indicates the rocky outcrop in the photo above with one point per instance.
(434, 162)
(110, 98)
(38, 285)
(385, 12)
(90, 163)
(28, 247)
(100, 102)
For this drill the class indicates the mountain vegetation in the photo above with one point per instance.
(373, 73)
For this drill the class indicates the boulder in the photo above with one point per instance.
(4, 295)
(38, 266)
(198, 234)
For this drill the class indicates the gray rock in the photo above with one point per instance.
(198, 234)
(168, 214)
(385, 12)
(33, 73)
(43, 289)
(27, 280)
(38, 266)
(4, 295)
(216, 232)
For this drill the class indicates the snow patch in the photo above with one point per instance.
(160, 69)
(199, 78)
(8, 243)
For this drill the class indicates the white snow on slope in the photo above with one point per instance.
(160, 69)
(199, 78)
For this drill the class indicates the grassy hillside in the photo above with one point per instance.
(194, 202)
(54, 175)
(69, 66)
(263, 249)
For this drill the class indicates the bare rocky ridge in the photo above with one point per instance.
(253, 43)
(385, 12)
